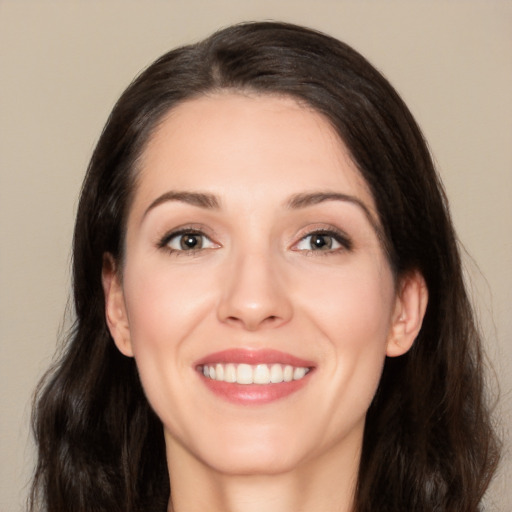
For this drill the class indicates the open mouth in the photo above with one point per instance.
(252, 377)
(253, 374)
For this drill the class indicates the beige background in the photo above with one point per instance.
(64, 63)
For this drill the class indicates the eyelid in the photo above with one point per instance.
(163, 241)
(338, 235)
(341, 237)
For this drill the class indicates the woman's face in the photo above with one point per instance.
(252, 254)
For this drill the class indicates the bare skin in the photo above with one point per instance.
(252, 237)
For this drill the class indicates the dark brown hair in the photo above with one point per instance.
(428, 444)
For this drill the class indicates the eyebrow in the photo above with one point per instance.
(202, 200)
(296, 202)
(304, 200)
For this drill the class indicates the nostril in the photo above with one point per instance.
(253, 323)
(271, 320)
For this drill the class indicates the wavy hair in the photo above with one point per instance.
(429, 443)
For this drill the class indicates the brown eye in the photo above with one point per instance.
(318, 242)
(190, 241)
(321, 242)
(187, 241)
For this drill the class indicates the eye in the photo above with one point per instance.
(187, 241)
(323, 241)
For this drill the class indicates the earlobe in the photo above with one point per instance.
(411, 304)
(115, 308)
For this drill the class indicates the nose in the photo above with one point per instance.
(254, 295)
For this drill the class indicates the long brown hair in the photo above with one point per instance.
(429, 444)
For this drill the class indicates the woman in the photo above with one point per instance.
(270, 308)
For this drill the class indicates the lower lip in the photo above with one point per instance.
(254, 394)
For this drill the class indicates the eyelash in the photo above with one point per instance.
(345, 244)
(164, 242)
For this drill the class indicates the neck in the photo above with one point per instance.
(327, 483)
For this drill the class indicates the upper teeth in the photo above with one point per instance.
(254, 374)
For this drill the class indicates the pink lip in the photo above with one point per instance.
(253, 394)
(249, 356)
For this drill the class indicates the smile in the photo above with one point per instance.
(262, 374)
(253, 377)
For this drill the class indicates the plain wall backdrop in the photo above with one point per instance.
(64, 63)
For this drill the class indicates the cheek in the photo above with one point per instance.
(161, 314)
(353, 313)
(163, 308)
(163, 304)
(354, 305)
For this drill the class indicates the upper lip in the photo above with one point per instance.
(253, 357)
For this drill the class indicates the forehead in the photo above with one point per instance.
(228, 143)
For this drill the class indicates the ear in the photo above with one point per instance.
(115, 308)
(410, 307)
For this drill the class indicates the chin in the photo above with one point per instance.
(255, 460)
(246, 449)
